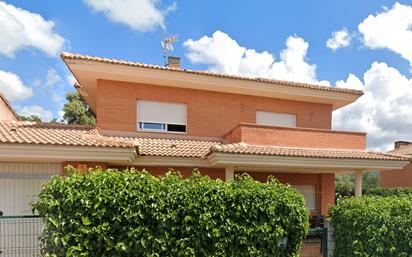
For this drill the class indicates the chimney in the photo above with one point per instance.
(173, 62)
(401, 144)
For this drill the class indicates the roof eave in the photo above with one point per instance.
(87, 72)
(319, 165)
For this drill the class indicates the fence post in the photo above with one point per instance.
(330, 239)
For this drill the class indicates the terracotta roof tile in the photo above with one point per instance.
(54, 134)
(405, 150)
(242, 148)
(171, 147)
(76, 56)
(74, 135)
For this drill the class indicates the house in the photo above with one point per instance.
(154, 117)
(400, 177)
(6, 110)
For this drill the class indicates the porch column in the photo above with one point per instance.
(358, 183)
(230, 173)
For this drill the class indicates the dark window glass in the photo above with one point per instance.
(176, 128)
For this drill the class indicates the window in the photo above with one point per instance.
(308, 192)
(161, 116)
(275, 119)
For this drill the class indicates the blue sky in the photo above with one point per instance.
(241, 37)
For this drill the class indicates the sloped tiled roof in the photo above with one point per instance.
(76, 56)
(23, 132)
(405, 150)
(169, 147)
(242, 148)
(74, 135)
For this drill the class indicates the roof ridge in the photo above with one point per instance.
(243, 144)
(67, 55)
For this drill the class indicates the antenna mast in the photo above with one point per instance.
(167, 44)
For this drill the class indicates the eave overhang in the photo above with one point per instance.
(88, 72)
(249, 162)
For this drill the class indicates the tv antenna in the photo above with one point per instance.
(167, 44)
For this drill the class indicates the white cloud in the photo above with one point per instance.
(23, 29)
(70, 79)
(53, 79)
(351, 82)
(339, 39)
(223, 54)
(52, 86)
(390, 29)
(140, 15)
(13, 88)
(384, 111)
(44, 115)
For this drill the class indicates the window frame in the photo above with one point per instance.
(295, 115)
(164, 127)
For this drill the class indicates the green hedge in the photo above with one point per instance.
(133, 213)
(373, 226)
(390, 192)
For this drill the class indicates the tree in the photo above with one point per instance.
(76, 110)
(34, 118)
(345, 183)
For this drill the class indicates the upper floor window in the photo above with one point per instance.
(275, 119)
(161, 116)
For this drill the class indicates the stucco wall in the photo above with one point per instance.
(5, 113)
(210, 114)
(397, 178)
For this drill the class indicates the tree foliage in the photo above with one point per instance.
(372, 226)
(34, 118)
(133, 213)
(76, 110)
(345, 183)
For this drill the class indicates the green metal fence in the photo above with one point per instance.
(19, 236)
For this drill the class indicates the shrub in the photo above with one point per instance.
(390, 192)
(133, 213)
(372, 226)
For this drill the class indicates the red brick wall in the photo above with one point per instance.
(397, 178)
(296, 137)
(210, 114)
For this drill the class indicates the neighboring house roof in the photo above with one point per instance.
(89, 136)
(24, 132)
(77, 56)
(405, 150)
(9, 106)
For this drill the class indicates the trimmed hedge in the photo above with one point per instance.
(133, 213)
(373, 226)
(390, 192)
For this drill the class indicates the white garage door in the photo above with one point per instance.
(20, 184)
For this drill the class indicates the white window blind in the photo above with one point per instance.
(161, 112)
(309, 193)
(275, 119)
